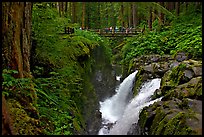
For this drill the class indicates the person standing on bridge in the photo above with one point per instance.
(106, 30)
(127, 30)
(111, 28)
(123, 29)
(116, 29)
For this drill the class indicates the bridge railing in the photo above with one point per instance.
(108, 32)
(117, 31)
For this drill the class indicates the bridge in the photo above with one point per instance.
(109, 33)
(117, 33)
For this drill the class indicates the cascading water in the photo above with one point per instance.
(112, 108)
(118, 113)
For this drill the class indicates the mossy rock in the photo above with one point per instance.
(191, 89)
(172, 117)
(23, 124)
(172, 78)
(139, 79)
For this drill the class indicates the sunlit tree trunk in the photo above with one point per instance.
(88, 15)
(83, 14)
(69, 10)
(58, 8)
(74, 14)
(16, 38)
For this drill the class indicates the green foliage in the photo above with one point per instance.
(61, 95)
(11, 85)
(182, 35)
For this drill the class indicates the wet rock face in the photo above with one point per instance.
(96, 122)
(180, 110)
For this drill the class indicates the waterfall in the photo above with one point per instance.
(118, 113)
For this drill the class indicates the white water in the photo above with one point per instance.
(120, 113)
(118, 77)
(112, 108)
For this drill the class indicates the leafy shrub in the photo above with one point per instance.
(182, 35)
(61, 93)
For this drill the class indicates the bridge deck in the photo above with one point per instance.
(113, 33)
(108, 33)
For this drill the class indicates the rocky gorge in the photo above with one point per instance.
(180, 110)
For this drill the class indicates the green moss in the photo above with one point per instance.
(23, 124)
(160, 114)
(176, 125)
(143, 118)
(131, 65)
(161, 126)
(76, 125)
(139, 79)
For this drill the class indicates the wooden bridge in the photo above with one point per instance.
(117, 33)
(109, 33)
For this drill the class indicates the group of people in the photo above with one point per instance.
(120, 29)
(113, 29)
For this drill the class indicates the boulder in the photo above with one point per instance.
(172, 117)
(180, 110)
(181, 56)
(197, 71)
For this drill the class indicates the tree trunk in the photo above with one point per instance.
(177, 8)
(153, 15)
(122, 14)
(83, 14)
(161, 15)
(99, 15)
(150, 19)
(74, 17)
(7, 126)
(69, 10)
(62, 8)
(107, 16)
(16, 38)
(130, 16)
(133, 14)
(65, 7)
(170, 5)
(58, 8)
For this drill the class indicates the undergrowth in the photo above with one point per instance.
(184, 34)
(61, 65)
